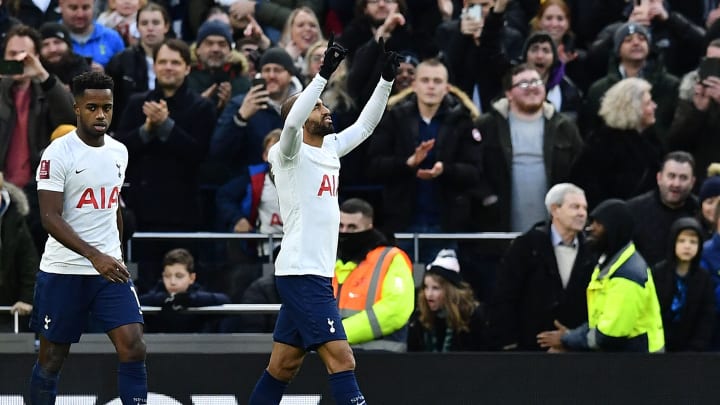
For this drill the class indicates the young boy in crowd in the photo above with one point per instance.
(176, 291)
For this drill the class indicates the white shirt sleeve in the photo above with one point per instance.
(292, 137)
(370, 116)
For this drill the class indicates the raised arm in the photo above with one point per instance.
(291, 136)
(373, 111)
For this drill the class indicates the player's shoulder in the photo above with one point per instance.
(112, 143)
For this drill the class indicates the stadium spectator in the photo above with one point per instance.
(423, 159)
(220, 71)
(478, 50)
(697, 117)
(656, 210)
(6, 22)
(273, 14)
(177, 291)
(685, 290)
(620, 157)
(540, 52)
(260, 291)
(709, 197)
(516, 137)
(623, 309)
(243, 124)
(132, 69)
(632, 57)
(373, 282)
(447, 318)
(31, 13)
(121, 15)
(89, 38)
(32, 105)
(544, 275)
(301, 30)
(57, 55)
(18, 257)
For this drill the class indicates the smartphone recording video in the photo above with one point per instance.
(11, 67)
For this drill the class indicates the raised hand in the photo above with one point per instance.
(334, 54)
(391, 62)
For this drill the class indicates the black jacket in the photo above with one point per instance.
(561, 145)
(163, 172)
(396, 138)
(617, 163)
(129, 71)
(690, 329)
(653, 221)
(171, 319)
(528, 294)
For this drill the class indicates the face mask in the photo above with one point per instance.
(355, 245)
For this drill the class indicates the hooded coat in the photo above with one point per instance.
(686, 302)
(18, 256)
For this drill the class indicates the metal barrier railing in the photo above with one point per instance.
(225, 309)
(231, 309)
(415, 237)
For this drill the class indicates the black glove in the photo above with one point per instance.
(391, 62)
(177, 302)
(334, 54)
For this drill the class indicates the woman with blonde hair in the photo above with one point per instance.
(447, 318)
(313, 60)
(621, 158)
(301, 30)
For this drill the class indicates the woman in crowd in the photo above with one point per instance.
(621, 158)
(302, 29)
(447, 317)
(132, 69)
(314, 60)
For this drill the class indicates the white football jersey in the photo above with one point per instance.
(307, 177)
(90, 179)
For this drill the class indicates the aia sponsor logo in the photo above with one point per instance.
(328, 184)
(102, 198)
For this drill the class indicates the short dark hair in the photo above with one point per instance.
(679, 156)
(22, 30)
(507, 80)
(152, 6)
(180, 256)
(287, 106)
(355, 205)
(176, 45)
(90, 80)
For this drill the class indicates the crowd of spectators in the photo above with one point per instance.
(494, 103)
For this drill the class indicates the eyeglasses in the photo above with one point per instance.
(378, 1)
(317, 58)
(526, 84)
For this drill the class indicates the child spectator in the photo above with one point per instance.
(447, 318)
(685, 290)
(121, 15)
(177, 291)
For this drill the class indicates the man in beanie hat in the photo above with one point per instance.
(243, 124)
(632, 57)
(306, 166)
(624, 313)
(57, 55)
(219, 71)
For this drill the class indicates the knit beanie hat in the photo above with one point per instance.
(626, 29)
(55, 30)
(214, 27)
(277, 56)
(446, 265)
(710, 188)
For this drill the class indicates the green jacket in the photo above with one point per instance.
(623, 309)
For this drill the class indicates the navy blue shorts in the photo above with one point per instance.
(309, 314)
(63, 303)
